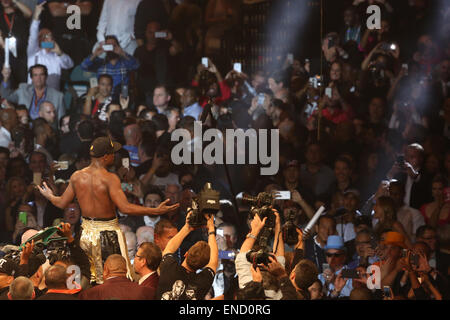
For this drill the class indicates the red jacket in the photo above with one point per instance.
(118, 288)
(151, 282)
(224, 90)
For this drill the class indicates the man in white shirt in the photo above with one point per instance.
(42, 49)
(410, 218)
(117, 18)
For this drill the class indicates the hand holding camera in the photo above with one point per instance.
(210, 222)
(186, 222)
(256, 274)
(257, 224)
(422, 264)
(212, 68)
(26, 252)
(99, 50)
(275, 268)
(64, 228)
(93, 91)
(56, 49)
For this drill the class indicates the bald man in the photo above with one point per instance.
(56, 282)
(21, 289)
(133, 136)
(48, 111)
(116, 285)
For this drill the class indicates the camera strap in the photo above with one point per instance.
(315, 253)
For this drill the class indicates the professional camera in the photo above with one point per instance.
(289, 231)
(47, 245)
(206, 202)
(262, 206)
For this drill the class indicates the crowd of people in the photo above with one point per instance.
(364, 131)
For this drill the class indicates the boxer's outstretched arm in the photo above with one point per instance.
(61, 202)
(120, 200)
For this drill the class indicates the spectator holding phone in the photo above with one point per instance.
(110, 58)
(73, 40)
(98, 98)
(43, 49)
(154, 59)
(335, 285)
(365, 246)
(408, 169)
(211, 84)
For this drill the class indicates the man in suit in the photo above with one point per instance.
(409, 172)
(34, 94)
(146, 262)
(116, 285)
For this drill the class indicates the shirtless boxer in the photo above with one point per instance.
(99, 193)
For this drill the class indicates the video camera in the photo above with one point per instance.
(262, 206)
(206, 202)
(289, 229)
(47, 245)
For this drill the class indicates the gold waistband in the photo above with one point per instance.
(114, 223)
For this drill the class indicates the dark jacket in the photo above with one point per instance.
(148, 11)
(59, 296)
(420, 190)
(118, 288)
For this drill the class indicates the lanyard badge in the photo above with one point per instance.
(12, 45)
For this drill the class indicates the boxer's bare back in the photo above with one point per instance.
(99, 192)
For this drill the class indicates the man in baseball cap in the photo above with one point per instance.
(103, 146)
(8, 269)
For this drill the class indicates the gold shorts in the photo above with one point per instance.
(92, 241)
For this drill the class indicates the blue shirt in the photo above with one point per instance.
(346, 290)
(35, 104)
(119, 72)
(134, 157)
(194, 110)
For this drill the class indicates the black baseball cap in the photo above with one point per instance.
(102, 146)
(8, 267)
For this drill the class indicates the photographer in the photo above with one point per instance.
(181, 282)
(243, 266)
(12, 267)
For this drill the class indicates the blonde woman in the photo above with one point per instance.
(385, 213)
